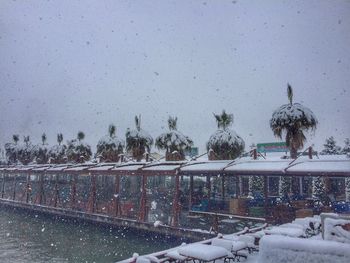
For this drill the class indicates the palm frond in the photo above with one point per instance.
(59, 138)
(172, 123)
(43, 138)
(15, 138)
(111, 130)
(81, 135)
(290, 93)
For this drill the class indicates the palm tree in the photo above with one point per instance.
(138, 141)
(110, 147)
(11, 150)
(225, 143)
(57, 153)
(293, 119)
(26, 151)
(78, 151)
(41, 151)
(173, 141)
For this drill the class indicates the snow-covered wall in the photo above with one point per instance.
(278, 249)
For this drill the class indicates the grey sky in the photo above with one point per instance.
(81, 65)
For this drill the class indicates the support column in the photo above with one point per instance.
(176, 206)
(57, 193)
(209, 190)
(142, 212)
(237, 193)
(73, 191)
(116, 196)
(301, 185)
(14, 187)
(28, 189)
(92, 205)
(191, 194)
(41, 189)
(3, 186)
(223, 187)
(266, 194)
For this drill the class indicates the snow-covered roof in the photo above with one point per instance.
(265, 166)
(101, 168)
(167, 166)
(78, 168)
(202, 167)
(321, 167)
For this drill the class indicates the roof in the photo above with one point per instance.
(336, 166)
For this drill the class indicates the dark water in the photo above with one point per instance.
(30, 237)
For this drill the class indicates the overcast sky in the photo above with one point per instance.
(81, 65)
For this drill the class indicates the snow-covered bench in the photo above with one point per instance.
(281, 249)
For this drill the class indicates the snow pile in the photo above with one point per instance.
(41, 153)
(108, 148)
(278, 249)
(285, 231)
(57, 154)
(203, 252)
(78, 151)
(334, 229)
(26, 152)
(227, 141)
(289, 114)
(173, 141)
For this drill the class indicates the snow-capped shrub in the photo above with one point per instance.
(11, 150)
(138, 141)
(26, 151)
(173, 141)
(292, 119)
(41, 151)
(331, 147)
(109, 147)
(225, 143)
(77, 150)
(57, 153)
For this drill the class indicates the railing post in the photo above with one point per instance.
(93, 194)
(41, 188)
(3, 186)
(14, 187)
(56, 196)
(28, 188)
(310, 152)
(191, 193)
(73, 190)
(142, 213)
(116, 196)
(176, 207)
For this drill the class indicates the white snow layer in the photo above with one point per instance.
(278, 249)
(225, 136)
(333, 230)
(174, 138)
(287, 114)
(108, 140)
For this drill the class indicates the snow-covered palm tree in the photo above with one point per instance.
(109, 147)
(11, 150)
(225, 142)
(57, 153)
(138, 141)
(293, 119)
(41, 151)
(26, 151)
(78, 151)
(173, 141)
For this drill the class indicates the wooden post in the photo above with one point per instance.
(237, 178)
(116, 196)
(209, 190)
(28, 190)
(266, 194)
(223, 187)
(73, 190)
(301, 185)
(310, 152)
(92, 205)
(41, 188)
(142, 212)
(3, 186)
(14, 187)
(176, 207)
(56, 194)
(190, 202)
(255, 154)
